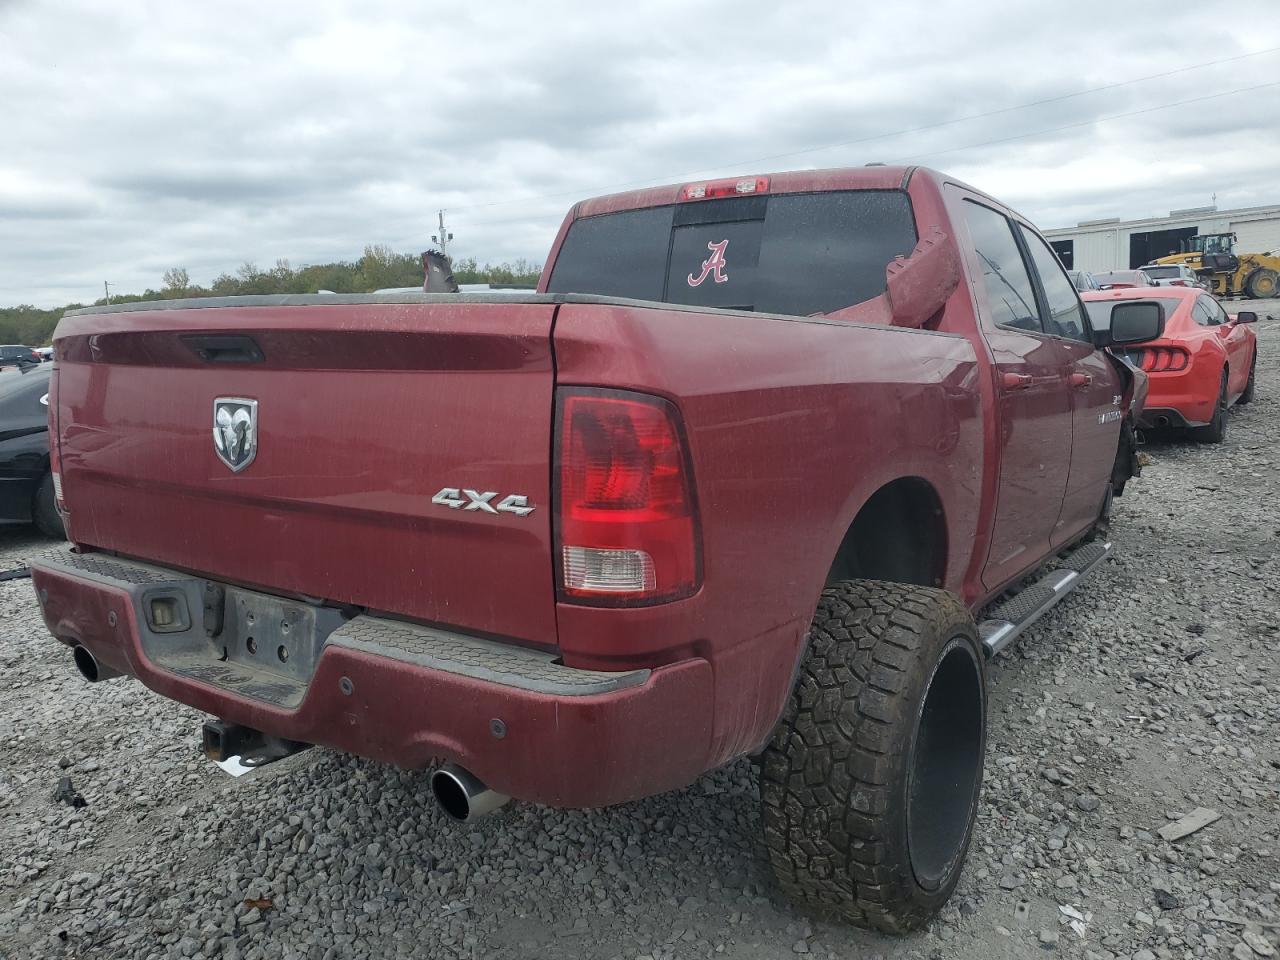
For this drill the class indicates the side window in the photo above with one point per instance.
(1216, 312)
(1210, 311)
(1066, 316)
(1199, 314)
(1011, 298)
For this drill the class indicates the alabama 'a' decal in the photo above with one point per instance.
(713, 266)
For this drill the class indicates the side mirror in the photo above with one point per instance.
(1135, 321)
(1245, 316)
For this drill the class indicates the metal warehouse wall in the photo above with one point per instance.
(1098, 252)
(1257, 236)
(1098, 247)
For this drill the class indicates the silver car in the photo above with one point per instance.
(1173, 275)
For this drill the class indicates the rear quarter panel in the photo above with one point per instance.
(793, 424)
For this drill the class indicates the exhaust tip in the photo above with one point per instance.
(462, 796)
(88, 665)
(451, 795)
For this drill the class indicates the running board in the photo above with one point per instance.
(1009, 619)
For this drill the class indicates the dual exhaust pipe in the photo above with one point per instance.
(461, 795)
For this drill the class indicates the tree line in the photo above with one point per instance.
(377, 268)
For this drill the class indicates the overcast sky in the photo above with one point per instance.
(139, 136)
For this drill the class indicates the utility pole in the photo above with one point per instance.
(443, 237)
(106, 289)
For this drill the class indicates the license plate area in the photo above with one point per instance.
(270, 634)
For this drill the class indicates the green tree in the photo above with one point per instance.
(176, 282)
(378, 267)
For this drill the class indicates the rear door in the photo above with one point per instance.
(360, 452)
(1034, 408)
(1094, 388)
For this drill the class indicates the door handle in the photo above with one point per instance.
(1081, 379)
(1016, 381)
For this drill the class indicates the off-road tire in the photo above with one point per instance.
(44, 513)
(836, 778)
(1261, 284)
(1215, 431)
(1250, 386)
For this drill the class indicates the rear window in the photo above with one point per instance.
(1161, 273)
(789, 253)
(1100, 310)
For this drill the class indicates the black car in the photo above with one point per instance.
(26, 486)
(14, 354)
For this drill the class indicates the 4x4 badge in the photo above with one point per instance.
(235, 431)
(457, 498)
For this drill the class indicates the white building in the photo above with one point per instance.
(1100, 245)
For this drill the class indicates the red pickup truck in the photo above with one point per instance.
(766, 467)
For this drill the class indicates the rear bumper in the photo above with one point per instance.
(407, 695)
(1180, 399)
(1163, 418)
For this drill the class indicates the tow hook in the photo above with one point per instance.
(222, 741)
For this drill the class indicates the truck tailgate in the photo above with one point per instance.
(365, 412)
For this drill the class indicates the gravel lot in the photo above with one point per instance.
(1153, 690)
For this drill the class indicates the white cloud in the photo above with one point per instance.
(139, 136)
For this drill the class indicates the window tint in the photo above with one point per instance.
(1009, 293)
(1199, 314)
(1216, 313)
(791, 253)
(1065, 318)
(616, 255)
(1207, 312)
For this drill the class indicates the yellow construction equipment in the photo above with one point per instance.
(1229, 274)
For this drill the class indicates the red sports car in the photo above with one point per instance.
(1202, 363)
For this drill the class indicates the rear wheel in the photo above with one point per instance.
(1215, 431)
(45, 512)
(870, 784)
(1262, 284)
(1247, 396)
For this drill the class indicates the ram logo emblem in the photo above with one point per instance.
(463, 499)
(235, 431)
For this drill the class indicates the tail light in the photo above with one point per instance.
(1163, 359)
(55, 442)
(626, 525)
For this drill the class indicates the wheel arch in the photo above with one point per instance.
(898, 534)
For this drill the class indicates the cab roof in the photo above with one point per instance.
(878, 177)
